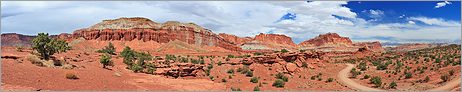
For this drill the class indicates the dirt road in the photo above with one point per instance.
(344, 74)
(448, 86)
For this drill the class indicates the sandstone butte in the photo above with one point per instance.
(143, 29)
(128, 29)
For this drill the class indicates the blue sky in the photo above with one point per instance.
(400, 21)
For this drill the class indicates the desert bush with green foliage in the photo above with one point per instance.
(105, 60)
(279, 83)
(109, 49)
(46, 46)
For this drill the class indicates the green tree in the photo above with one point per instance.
(129, 56)
(110, 49)
(106, 60)
(46, 46)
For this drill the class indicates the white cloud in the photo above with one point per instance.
(435, 21)
(402, 16)
(441, 4)
(241, 18)
(376, 12)
(411, 22)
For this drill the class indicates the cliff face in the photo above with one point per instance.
(128, 29)
(329, 39)
(13, 39)
(275, 38)
(235, 39)
(262, 41)
(373, 46)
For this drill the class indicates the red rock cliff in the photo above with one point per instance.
(326, 40)
(235, 39)
(275, 38)
(13, 39)
(374, 46)
(128, 29)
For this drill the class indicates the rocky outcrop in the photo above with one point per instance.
(262, 42)
(182, 70)
(329, 39)
(13, 39)
(235, 39)
(275, 38)
(373, 46)
(128, 29)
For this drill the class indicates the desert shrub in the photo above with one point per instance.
(128, 54)
(408, 75)
(254, 80)
(249, 73)
(279, 83)
(211, 78)
(105, 60)
(437, 60)
(393, 85)
(150, 68)
(284, 50)
(35, 60)
(223, 80)
(377, 81)
(313, 77)
(304, 65)
(230, 71)
(257, 53)
(366, 76)
(109, 49)
(354, 73)
(330, 79)
(210, 66)
(451, 72)
(256, 88)
(444, 77)
(71, 76)
(230, 56)
(219, 63)
(302, 50)
(136, 68)
(19, 48)
(46, 46)
(362, 66)
(427, 79)
(235, 89)
(207, 72)
(282, 77)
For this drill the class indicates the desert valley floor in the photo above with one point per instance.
(187, 57)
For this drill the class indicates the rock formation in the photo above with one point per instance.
(13, 39)
(235, 39)
(262, 41)
(329, 39)
(373, 46)
(128, 29)
(275, 38)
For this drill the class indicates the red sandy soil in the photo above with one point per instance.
(20, 74)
